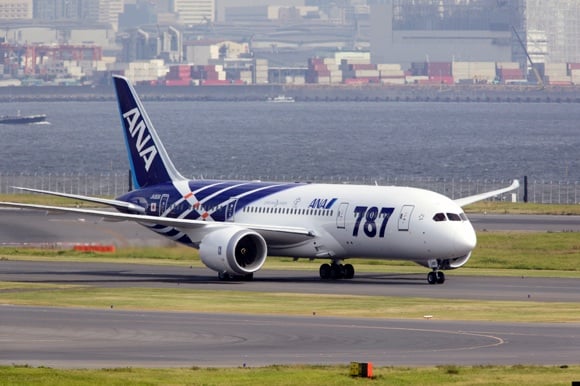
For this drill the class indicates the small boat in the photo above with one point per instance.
(281, 99)
(22, 119)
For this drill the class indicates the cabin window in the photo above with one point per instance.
(439, 217)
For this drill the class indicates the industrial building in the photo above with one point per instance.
(475, 30)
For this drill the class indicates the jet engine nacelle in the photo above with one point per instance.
(454, 263)
(233, 250)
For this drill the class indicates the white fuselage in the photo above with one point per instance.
(361, 221)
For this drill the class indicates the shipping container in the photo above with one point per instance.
(558, 80)
(391, 73)
(438, 69)
(318, 67)
(555, 69)
(177, 82)
(215, 82)
(389, 67)
(397, 81)
(354, 81)
(507, 65)
(329, 61)
(366, 74)
(360, 66)
(418, 68)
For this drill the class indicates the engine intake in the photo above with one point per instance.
(233, 250)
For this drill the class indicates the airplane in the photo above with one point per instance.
(235, 225)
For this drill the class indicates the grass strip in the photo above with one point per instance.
(294, 375)
(498, 207)
(181, 299)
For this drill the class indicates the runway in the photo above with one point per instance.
(83, 338)
(67, 338)
(96, 338)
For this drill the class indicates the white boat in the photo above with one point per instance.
(22, 119)
(281, 99)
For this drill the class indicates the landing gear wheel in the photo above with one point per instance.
(336, 271)
(432, 277)
(224, 276)
(440, 277)
(348, 271)
(324, 271)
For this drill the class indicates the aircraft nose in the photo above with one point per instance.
(466, 240)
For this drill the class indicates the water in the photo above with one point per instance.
(314, 140)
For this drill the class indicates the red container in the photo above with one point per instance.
(356, 81)
(177, 82)
(440, 69)
(355, 67)
(211, 82)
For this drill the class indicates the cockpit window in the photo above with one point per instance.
(453, 217)
(463, 216)
(439, 217)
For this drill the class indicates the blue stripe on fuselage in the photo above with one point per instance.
(245, 192)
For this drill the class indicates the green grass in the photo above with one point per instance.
(44, 199)
(294, 375)
(522, 208)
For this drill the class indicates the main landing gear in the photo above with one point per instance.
(336, 271)
(436, 277)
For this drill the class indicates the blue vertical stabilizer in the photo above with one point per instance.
(150, 163)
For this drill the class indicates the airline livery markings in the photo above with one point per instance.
(370, 216)
(137, 127)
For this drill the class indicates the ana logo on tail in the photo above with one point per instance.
(137, 127)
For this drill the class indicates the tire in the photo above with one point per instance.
(336, 271)
(348, 271)
(431, 278)
(324, 271)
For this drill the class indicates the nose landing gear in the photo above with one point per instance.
(436, 277)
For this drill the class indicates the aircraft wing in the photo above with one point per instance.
(482, 196)
(121, 205)
(167, 221)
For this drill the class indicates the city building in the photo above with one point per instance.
(475, 30)
(551, 30)
(441, 30)
(192, 12)
(16, 9)
(91, 11)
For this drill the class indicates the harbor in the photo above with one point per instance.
(309, 92)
